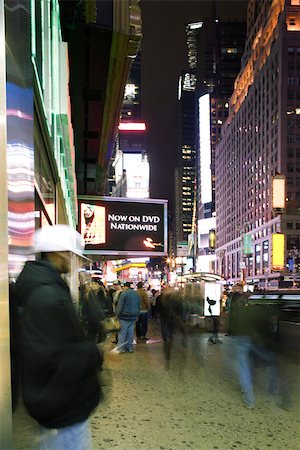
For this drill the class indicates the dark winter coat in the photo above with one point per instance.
(59, 381)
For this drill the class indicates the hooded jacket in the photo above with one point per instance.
(59, 380)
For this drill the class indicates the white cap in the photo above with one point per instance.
(58, 238)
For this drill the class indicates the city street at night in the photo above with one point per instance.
(150, 224)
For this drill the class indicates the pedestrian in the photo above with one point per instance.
(149, 295)
(97, 309)
(118, 289)
(252, 339)
(141, 326)
(116, 286)
(60, 387)
(155, 294)
(127, 310)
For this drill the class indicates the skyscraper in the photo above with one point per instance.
(220, 46)
(185, 171)
(259, 140)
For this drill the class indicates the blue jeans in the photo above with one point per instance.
(73, 437)
(125, 336)
(245, 349)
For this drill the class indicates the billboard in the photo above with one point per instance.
(205, 149)
(119, 226)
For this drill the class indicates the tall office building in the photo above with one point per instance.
(220, 46)
(261, 138)
(185, 170)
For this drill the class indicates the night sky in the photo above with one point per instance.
(164, 55)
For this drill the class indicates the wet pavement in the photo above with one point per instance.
(195, 403)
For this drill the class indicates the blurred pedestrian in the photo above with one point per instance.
(149, 295)
(155, 294)
(127, 310)
(59, 381)
(251, 331)
(169, 308)
(117, 292)
(97, 308)
(141, 326)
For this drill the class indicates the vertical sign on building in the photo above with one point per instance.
(205, 149)
(278, 244)
(247, 245)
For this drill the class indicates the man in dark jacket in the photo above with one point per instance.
(59, 381)
(128, 310)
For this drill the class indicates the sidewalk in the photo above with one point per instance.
(196, 404)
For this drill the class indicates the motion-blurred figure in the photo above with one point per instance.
(97, 308)
(170, 311)
(59, 382)
(253, 341)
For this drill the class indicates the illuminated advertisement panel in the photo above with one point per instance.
(137, 175)
(278, 192)
(118, 226)
(278, 245)
(205, 149)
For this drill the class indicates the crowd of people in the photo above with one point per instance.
(60, 393)
(249, 327)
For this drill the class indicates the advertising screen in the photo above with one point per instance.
(122, 226)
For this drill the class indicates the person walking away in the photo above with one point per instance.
(60, 387)
(127, 310)
(141, 326)
(149, 295)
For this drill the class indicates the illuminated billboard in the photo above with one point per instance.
(205, 149)
(278, 245)
(278, 192)
(118, 226)
(137, 175)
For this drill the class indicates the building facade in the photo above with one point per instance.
(41, 126)
(185, 171)
(220, 46)
(259, 140)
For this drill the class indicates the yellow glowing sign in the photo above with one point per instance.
(278, 251)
